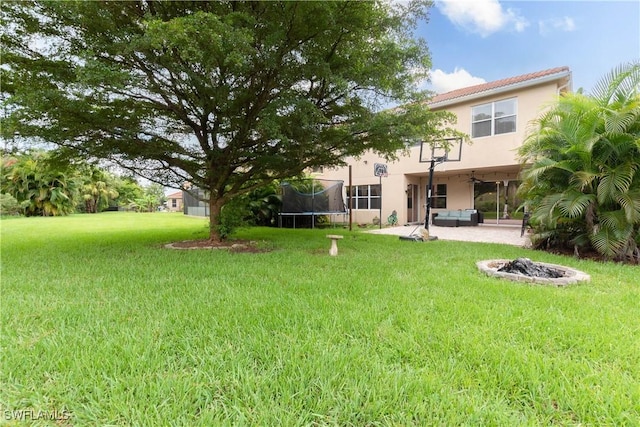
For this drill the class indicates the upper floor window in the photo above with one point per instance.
(494, 118)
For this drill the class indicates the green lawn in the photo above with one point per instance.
(99, 320)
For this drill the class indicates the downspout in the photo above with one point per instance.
(569, 85)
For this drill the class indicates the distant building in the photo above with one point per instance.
(174, 202)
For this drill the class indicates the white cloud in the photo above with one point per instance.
(565, 24)
(445, 82)
(482, 16)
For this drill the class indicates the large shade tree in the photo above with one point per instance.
(583, 183)
(226, 95)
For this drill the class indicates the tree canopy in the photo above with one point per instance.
(226, 95)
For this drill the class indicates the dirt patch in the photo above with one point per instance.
(236, 246)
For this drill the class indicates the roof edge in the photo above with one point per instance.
(502, 89)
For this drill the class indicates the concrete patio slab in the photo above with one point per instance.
(506, 233)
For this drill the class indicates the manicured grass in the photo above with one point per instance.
(100, 320)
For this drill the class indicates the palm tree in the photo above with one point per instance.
(583, 182)
(97, 190)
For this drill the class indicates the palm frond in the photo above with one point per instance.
(615, 181)
(620, 122)
(583, 179)
(573, 204)
(621, 82)
(607, 241)
(630, 203)
(538, 168)
(546, 212)
(615, 148)
(614, 219)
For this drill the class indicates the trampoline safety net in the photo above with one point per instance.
(312, 197)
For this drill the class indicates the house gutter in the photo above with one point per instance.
(569, 85)
(502, 89)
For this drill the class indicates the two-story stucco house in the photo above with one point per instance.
(496, 116)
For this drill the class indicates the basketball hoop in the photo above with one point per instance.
(445, 150)
(380, 169)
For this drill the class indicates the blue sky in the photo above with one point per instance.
(477, 41)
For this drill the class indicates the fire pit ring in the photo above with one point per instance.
(568, 276)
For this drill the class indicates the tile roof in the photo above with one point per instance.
(503, 83)
(176, 195)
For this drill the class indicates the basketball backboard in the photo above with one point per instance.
(445, 150)
(380, 169)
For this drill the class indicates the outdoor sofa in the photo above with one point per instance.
(457, 218)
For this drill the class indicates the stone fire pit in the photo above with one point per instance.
(525, 270)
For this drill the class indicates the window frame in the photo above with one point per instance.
(493, 119)
(439, 196)
(366, 197)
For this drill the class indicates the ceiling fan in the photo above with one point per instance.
(474, 179)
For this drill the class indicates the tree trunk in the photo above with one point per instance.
(215, 207)
(87, 206)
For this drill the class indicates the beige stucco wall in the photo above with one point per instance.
(177, 208)
(492, 158)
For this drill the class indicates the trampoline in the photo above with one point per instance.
(303, 201)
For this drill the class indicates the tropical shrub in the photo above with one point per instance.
(233, 215)
(259, 207)
(9, 205)
(583, 183)
(264, 205)
(42, 187)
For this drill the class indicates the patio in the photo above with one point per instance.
(505, 231)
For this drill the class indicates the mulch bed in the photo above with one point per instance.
(590, 255)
